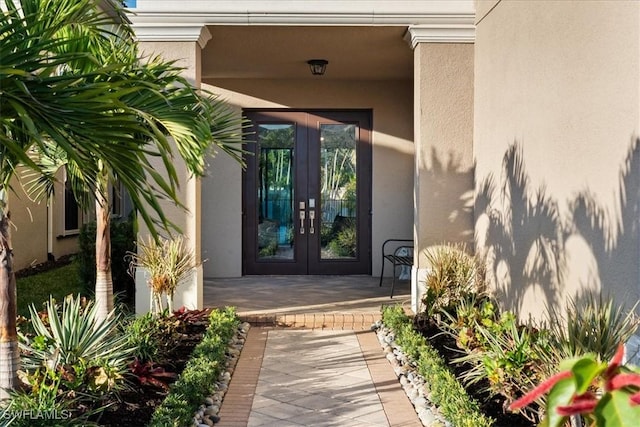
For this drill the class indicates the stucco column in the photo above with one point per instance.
(443, 136)
(184, 45)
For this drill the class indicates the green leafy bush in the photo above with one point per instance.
(46, 404)
(461, 322)
(152, 336)
(446, 392)
(196, 382)
(123, 241)
(345, 242)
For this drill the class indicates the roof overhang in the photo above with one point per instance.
(154, 14)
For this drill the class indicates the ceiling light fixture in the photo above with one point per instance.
(318, 66)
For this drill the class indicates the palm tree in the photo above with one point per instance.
(59, 99)
(169, 106)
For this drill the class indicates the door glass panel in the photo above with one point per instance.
(275, 191)
(338, 191)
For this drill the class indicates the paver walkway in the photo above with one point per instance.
(317, 363)
(293, 377)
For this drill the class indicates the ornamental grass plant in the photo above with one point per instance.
(453, 275)
(166, 263)
(593, 324)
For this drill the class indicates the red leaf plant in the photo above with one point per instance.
(191, 316)
(603, 394)
(151, 374)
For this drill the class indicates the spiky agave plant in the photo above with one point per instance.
(75, 343)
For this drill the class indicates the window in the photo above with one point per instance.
(71, 210)
(117, 200)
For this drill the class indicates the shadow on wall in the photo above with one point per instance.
(614, 243)
(522, 242)
(525, 237)
(449, 207)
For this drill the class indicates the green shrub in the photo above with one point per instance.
(152, 336)
(345, 242)
(196, 382)
(123, 241)
(446, 392)
(461, 322)
(45, 400)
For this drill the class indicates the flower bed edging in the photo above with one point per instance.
(201, 386)
(438, 397)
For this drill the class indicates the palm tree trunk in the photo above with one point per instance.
(9, 355)
(104, 281)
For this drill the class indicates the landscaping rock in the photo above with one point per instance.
(413, 384)
(207, 415)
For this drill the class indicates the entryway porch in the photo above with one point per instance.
(320, 302)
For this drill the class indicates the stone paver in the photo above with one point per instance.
(311, 359)
(305, 377)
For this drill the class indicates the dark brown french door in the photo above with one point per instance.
(307, 193)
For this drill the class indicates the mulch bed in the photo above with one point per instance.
(45, 266)
(491, 405)
(135, 407)
(136, 404)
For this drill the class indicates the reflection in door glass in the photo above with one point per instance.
(275, 191)
(338, 191)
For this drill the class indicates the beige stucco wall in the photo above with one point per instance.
(557, 101)
(392, 104)
(187, 55)
(443, 76)
(29, 229)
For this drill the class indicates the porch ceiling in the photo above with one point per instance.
(275, 52)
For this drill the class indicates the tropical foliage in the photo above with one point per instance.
(166, 262)
(88, 353)
(502, 355)
(601, 393)
(75, 93)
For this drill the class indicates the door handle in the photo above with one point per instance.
(312, 216)
(302, 217)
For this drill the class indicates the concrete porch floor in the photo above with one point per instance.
(261, 295)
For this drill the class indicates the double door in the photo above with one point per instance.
(307, 193)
